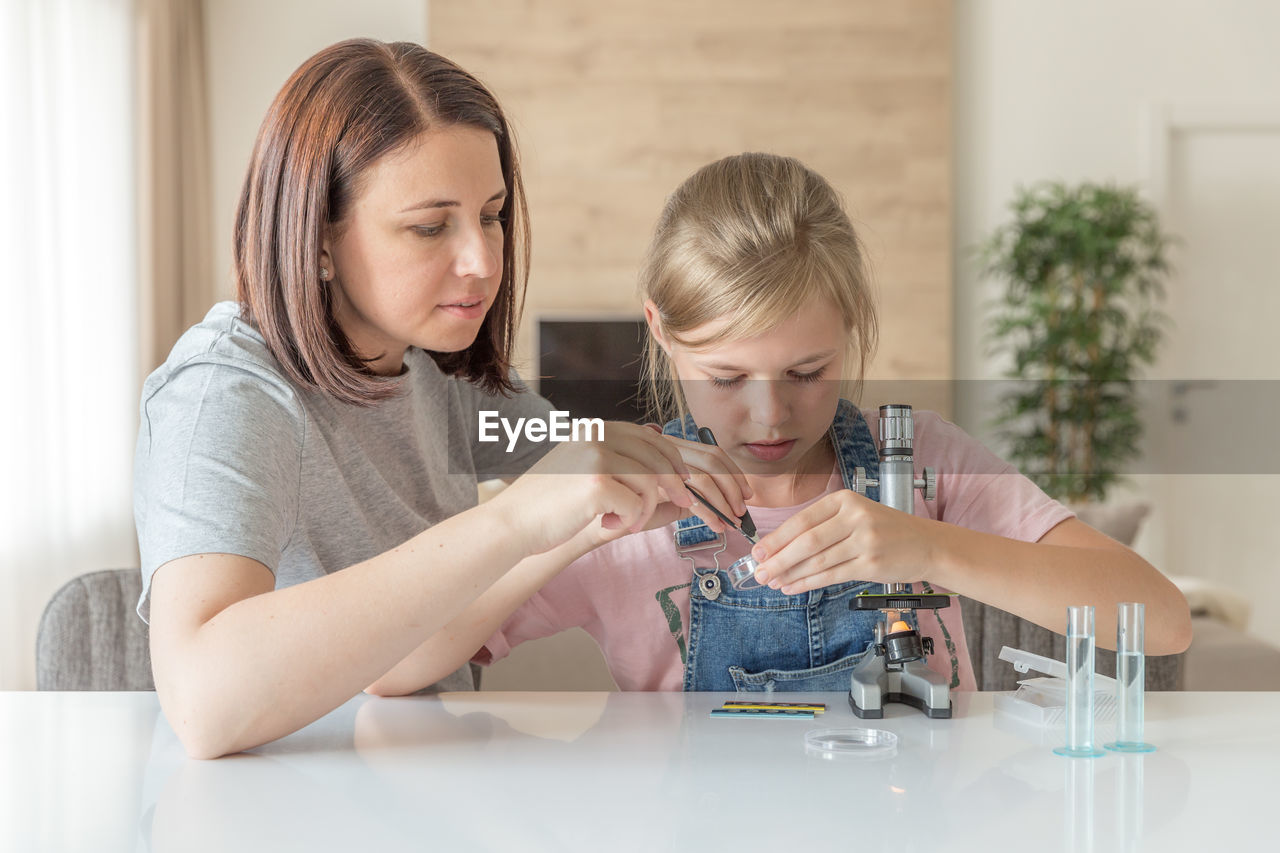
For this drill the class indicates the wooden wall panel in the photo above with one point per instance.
(615, 103)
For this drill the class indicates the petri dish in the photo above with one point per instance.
(851, 743)
(742, 574)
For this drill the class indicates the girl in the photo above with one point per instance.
(305, 475)
(758, 304)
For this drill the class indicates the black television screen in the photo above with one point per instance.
(591, 368)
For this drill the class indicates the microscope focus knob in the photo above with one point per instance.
(930, 484)
(861, 481)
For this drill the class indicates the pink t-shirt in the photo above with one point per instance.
(632, 595)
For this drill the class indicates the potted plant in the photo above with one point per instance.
(1084, 268)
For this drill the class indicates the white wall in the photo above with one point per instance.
(1059, 89)
(251, 49)
(1063, 89)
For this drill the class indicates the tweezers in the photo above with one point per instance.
(744, 525)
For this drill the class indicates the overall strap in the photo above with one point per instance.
(691, 530)
(854, 446)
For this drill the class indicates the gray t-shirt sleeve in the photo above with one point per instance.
(217, 466)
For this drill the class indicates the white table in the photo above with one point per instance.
(630, 771)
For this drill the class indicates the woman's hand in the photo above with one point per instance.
(715, 477)
(842, 537)
(633, 480)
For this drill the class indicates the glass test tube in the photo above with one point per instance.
(1079, 685)
(1130, 678)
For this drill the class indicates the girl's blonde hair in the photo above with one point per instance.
(753, 237)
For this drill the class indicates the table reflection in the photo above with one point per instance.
(649, 771)
(1103, 801)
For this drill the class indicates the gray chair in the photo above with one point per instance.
(988, 628)
(91, 638)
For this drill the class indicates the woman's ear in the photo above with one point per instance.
(654, 321)
(327, 272)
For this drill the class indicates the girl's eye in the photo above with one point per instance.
(809, 377)
(428, 230)
(494, 219)
(805, 378)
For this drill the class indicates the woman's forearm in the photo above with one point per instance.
(457, 642)
(271, 663)
(1072, 565)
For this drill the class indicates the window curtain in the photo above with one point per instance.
(98, 253)
(176, 284)
(67, 241)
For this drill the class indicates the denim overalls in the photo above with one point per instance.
(761, 640)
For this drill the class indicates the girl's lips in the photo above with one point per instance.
(771, 452)
(466, 312)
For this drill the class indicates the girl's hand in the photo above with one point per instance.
(843, 537)
(631, 481)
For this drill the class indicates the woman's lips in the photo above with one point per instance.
(466, 310)
(770, 451)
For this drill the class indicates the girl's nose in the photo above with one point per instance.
(768, 402)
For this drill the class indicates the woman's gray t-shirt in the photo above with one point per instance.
(234, 458)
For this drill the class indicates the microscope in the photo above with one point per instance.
(897, 671)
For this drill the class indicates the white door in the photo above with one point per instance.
(1214, 419)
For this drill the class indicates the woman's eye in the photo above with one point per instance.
(428, 230)
(726, 383)
(494, 219)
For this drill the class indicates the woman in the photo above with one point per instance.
(305, 476)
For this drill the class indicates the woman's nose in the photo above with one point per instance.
(480, 255)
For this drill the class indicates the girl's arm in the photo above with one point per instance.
(1071, 564)
(845, 536)
(457, 642)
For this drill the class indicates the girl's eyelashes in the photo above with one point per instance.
(813, 376)
(804, 378)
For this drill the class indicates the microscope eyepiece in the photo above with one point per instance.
(896, 430)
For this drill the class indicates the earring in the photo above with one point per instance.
(324, 274)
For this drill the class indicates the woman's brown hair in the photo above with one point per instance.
(341, 111)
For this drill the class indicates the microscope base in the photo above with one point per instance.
(872, 687)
